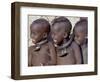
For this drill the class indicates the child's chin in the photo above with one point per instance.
(56, 43)
(77, 42)
(34, 42)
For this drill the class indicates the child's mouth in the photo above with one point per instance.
(34, 41)
(77, 42)
(55, 41)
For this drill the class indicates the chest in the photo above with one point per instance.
(64, 52)
(65, 56)
(41, 55)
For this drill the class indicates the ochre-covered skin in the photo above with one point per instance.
(44, 56)
(42, 52)
(80, 32)
(60, 32)
(73, 55)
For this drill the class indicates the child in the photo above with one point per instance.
(42, 52)
(60, 32)
(81, 31)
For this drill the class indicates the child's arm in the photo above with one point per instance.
(77, 53)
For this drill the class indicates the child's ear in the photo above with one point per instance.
(44, 35)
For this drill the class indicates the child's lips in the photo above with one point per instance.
(55, 45)
(33, 41)
(77, 42)
(55, 41)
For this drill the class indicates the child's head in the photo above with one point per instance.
(81, 31)
(60, 29)
(39, 30)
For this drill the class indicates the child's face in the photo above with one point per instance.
(80, 37)
(36, 33)
(58, 33)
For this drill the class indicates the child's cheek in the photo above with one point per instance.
(34, 40)
(77, 41)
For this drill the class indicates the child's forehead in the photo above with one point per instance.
(81, 28)
(79, 33)
(60, 25)
(37, 28)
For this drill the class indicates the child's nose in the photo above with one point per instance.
(55, 37)
(76, 38)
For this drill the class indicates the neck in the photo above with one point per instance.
(39, 44)
(61, 44)
(42, 42)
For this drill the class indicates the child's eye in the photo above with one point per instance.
(33, 33)
(76, 36)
